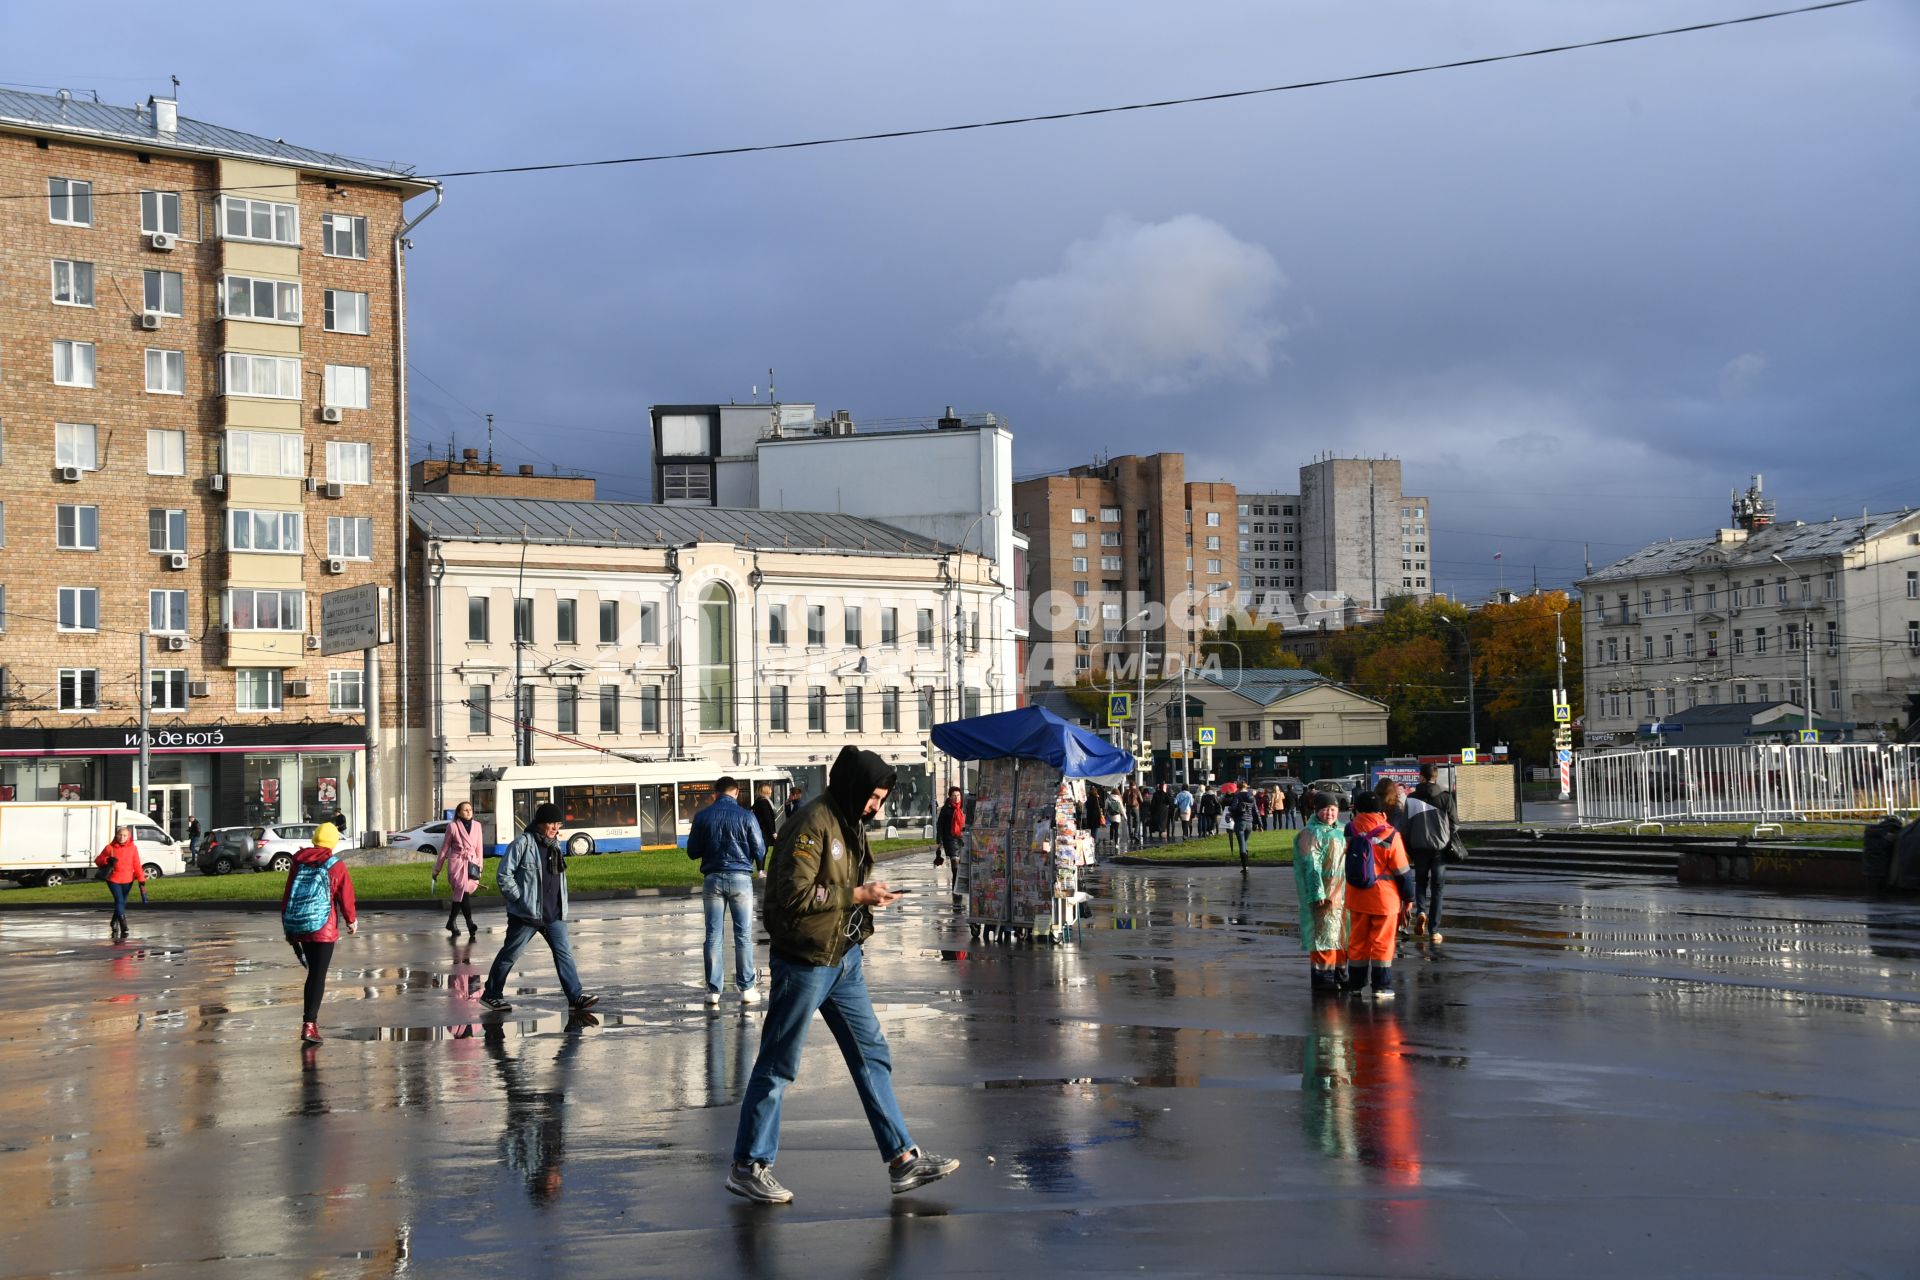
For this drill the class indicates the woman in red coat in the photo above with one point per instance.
(315, 946)
(122, 861)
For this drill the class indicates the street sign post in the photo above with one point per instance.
(1119, 707)
(355, 619)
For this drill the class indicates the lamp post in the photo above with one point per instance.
(1473, 721)
(1806, 641)
(956, 701)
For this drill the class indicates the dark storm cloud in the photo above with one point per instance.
(1582, 296)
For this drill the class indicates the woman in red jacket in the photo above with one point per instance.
(315, 946)
(122, 861)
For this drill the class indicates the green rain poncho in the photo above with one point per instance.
(1319, 873)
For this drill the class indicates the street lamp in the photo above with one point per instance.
(1473, 721)
(955, 704)
(1806, 641)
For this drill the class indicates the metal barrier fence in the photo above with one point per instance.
(1842, 782)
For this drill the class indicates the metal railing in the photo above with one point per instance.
(1759, 784)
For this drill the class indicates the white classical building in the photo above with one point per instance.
(742, 637)
(1753, 614)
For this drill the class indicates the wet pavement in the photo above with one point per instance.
(1592, 1077)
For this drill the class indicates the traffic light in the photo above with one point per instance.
(929, 753)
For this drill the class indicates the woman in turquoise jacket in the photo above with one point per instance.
(1320, 880)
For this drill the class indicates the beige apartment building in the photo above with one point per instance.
(202, 429)
(741, 637)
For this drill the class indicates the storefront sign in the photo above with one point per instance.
(125, 739)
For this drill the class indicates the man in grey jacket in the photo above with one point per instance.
(533, 883)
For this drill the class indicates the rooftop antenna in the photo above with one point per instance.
(489, 442)
(773, 397)
(176, 85)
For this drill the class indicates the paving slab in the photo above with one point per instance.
(1594, 1076)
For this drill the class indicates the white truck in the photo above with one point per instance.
(52, 842)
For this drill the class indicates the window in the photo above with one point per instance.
(76, 528)
(1739, 642)
(1666, 600)
(1233, 731)
(609, 708)
(1759, 639)
(167, 689)
(566, 713)
(1213, 566)
(265, 220)
(1213, 542)
(72, 283)
(163, 292)
(79, 689)
(1110, 564)
(650, 708)
(1079, 564)
(343, 235)
(649, 624)
(1687, 644)
(1109, 515)
(1739, 693)
(166, 451)
(609, 622)
(265, 453)
(1079, 515)
(1833, 637)
(686, 482)
(166, 529)
(167, 612)
(1829, 584)
(251, 298)
(816, 709)
(523, 620)
(890, 626)
(345, 386)
(349, 463)
(166, 372)
(160, 211)
(269, 377)
(1111, 539)
(856, 710)
(715, 658)
(1833, 695)
(854, 636)
(776, 624)
(350, 537)
(1913, 585)
(257, 689)
(777, 708)
(1686, 599)
(523, 706)
(1213, 519)
(79, 608)
(923, 623)
(479, 710)
(72, 363)
(346, 690)
(275, 531)
(566, 621)
(973, 631)
(1646, 646)
(1913, 635)
(276, 610)
(74, 446)
(816, 626)
(1669, 645)
(346, 312)
(1793, 637)
(1780, 590)
(889, 710)
(479, 619)
(70, 202)
(1079, 539)
(970, 702)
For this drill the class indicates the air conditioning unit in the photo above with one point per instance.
(336, 565)
(199, 688)
(313, 642)
(163, 241)
(312, 484)
(296, 688)
(149, 319)
(70, 475)
(217, 484)
(177, 560)
(176, 643)
(330, 413)
(336, 490)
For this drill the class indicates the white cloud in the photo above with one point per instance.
(1154, 307)
(1738, 375)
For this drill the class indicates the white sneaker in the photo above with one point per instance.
(713, 999)
(750, 996)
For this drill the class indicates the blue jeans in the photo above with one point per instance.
(519, 934)
(839, 992)
(119, 892)
(1239, 834)
(729, 893)
(1429, 885)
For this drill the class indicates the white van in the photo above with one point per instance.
(52, 842)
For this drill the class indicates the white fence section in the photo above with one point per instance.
(1841, 782)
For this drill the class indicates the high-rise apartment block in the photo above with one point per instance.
(202, 429)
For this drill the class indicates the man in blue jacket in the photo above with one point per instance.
(726, 841)
(533, 882)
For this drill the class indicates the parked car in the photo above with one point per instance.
(274, 846)
(425, 838)
(225, 849)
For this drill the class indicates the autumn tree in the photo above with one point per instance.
(1514, 664)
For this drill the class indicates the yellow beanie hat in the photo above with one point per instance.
(327, 836)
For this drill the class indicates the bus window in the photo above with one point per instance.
(524, 803)
(694, 796)
(609, 804)
(483, 802)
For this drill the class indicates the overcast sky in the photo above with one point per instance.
(1581, 296)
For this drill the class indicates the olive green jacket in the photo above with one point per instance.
(810, 884)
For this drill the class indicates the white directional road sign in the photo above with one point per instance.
(351, 619)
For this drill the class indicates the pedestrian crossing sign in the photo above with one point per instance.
(1203, 736)
(1119, 707)
(1468, 755)
(1562, 713)
(1809, 735)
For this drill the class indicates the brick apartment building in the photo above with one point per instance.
(1111, 539)
(201, 431)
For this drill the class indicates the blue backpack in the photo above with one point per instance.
(310, 901)
(1361, 872)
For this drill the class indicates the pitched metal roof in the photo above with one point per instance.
(1266, 685)
(48, 113)
(1790, 540)
(550, 522)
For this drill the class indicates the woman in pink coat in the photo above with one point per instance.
(462, 856)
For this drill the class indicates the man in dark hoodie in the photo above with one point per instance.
(819, 910)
